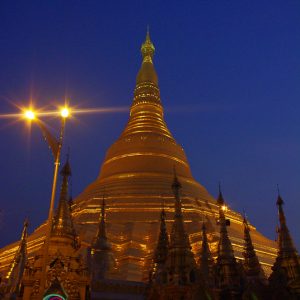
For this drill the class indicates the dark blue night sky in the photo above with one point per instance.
(229, 74)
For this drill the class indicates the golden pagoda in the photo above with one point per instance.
(136, 176)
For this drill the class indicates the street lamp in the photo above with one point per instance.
(55, 145)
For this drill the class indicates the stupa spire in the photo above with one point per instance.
(178, 275)
(62, 222)
(161, 251)
(286, 245)
(147, 72)
(100, 241)
(176, 187)
(24, 232)
(286, 269)
(103, 261)
(178, 235)
(16, 270)
(225, 251)
(220, 199)
(146, 114)
(255, 280)
(251, 264)
(228, 277)
(205, 260)
(158, 273)
(180, 263)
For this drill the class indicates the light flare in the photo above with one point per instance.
(29, 114)
(64, 112)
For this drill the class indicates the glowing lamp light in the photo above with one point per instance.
(29, 114)
(224, 207)
(65, 112)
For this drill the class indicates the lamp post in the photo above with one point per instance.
(55, 145)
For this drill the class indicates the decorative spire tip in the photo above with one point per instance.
(220, 199)
(279, 201)
(176, 184)
(66, 169)
(244, 216)
(148, 48)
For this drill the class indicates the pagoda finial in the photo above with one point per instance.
(176, 185)
(147, 80)
(16, 270)
(205, 260)
(180, 262)
(161, 251)
(66, 169)
(100, 241)
(255, 286)
(279, 201)
(251, 263)
(163, 240)
(62, 223)
(287, 261)
(220, 199)
(228, 276)
(103, 261)
(25, 230)
(285, 240)
(225, 247)
(146, 113)
(147, 47)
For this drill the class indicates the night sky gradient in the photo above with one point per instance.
(229, 75)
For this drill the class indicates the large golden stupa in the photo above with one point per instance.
(135, 179)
